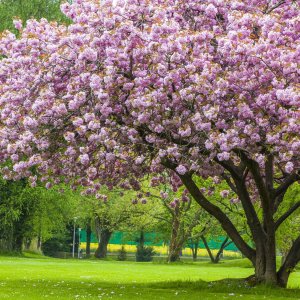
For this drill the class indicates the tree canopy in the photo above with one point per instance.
(139, 87)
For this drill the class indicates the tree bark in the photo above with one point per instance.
(194, 247)
(207, 249)
(18, 243)
(215, 259)
(101, 251)
(88, 239)
(175, 243)
(174, 254)
(224, 245)
(39, 242)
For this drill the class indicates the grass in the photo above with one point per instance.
(34, 277)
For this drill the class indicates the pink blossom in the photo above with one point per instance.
(289, 167)
(84, 159)
(211, 10)
(30, 123)
(184, 198)
(48, 185)
(224, 193)
(89, 54)
(139, 160)
(223, 156)
(181, 169)
(17, 24)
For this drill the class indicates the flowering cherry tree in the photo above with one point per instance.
(190, 88)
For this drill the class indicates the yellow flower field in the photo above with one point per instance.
(161, 250)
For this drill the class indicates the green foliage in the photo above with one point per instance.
(15, 214)
(27, 213)
(26, 9)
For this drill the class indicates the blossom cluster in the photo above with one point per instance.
(132, 84)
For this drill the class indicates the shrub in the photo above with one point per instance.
(144, 253)
(122, 254)
(54, 245)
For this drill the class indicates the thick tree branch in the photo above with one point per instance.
(229, 166)
(269, 173)
(207, 248)
(262, 189)
(242, 192)
(280, 191)
(286, 215)
(268, 9)
(223, 246)
(216, 212)
(229, 182)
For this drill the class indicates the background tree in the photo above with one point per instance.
(182, 218)
(31, 214)
(105, 215)
(14, 215)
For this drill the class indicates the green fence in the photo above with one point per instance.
(151, 239)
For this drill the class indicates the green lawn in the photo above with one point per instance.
(45, 278)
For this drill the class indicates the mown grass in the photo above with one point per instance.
(37, 277)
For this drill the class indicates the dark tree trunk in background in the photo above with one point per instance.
(27, 244)
(224, 245)
(207, 248)
(101, 251)
(141, 239)
(194, 246)
(18, 242)
(215, 259)
(195, 252)
(19, 229)
(180, 232)
(39, 243)
(88, 238)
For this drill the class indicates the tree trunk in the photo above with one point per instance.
(195, 253)
(194, 247)
(141, 239)
(177, 241)
(27, 244)
(224, 244)
(88, 239)
(102, 245)
(271, 274)
(207, 249)
(18, 243)
(174, 254)
(39, 243)
(263, 257)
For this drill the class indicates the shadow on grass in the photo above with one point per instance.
(93, 289)
(228, 286)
